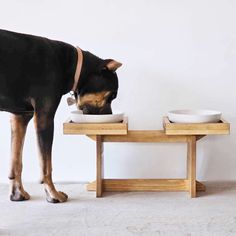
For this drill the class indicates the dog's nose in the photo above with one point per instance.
(90, 110)
(85, 110)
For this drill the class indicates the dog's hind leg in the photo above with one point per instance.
(19, 124)
(44, 127)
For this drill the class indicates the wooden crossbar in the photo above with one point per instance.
(150, 185)
(143, 136)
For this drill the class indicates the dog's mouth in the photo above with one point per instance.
(93, 110)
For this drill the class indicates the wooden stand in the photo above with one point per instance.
(189, 184)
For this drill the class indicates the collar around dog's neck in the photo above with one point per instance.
(78, 69)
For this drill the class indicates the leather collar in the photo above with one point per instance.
(78, 69)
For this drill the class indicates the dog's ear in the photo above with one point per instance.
(111, 65)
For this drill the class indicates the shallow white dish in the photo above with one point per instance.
(194, 116)
(79, 117)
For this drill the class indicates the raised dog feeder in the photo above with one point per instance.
(188, 133)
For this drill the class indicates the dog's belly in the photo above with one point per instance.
(14, 105)
(14, 96)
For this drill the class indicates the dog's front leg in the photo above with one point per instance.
(44, 127)
(18, 129)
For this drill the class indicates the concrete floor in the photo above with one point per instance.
(159, 214)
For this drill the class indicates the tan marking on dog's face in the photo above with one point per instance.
(93, 99)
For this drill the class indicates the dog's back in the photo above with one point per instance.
(32, 67)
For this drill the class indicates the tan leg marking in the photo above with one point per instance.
(53, 195)
(44, 128)
(18, 129)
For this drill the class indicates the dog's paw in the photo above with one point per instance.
(56, 197)
(17, 196)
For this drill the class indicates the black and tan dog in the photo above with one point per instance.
(34, 74)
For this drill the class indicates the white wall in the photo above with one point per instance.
(176, 54)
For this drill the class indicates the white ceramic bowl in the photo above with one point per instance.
(194, 116)
(79, 117)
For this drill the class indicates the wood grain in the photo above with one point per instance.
(159, 185)
(99, 166)
(145, 136)
(96, 128)
(222, 127)
(191, 171)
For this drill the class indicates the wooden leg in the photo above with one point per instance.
(188, 159)
(99, 163)
(191, 166)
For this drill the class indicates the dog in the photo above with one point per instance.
(35, 72)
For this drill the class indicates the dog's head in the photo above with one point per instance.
(99, 85)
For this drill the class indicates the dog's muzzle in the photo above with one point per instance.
(88, 109)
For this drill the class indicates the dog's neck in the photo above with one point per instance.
(78, 69)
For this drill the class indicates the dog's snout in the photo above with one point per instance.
(85, 110)
(90, 110)
(93, 110)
